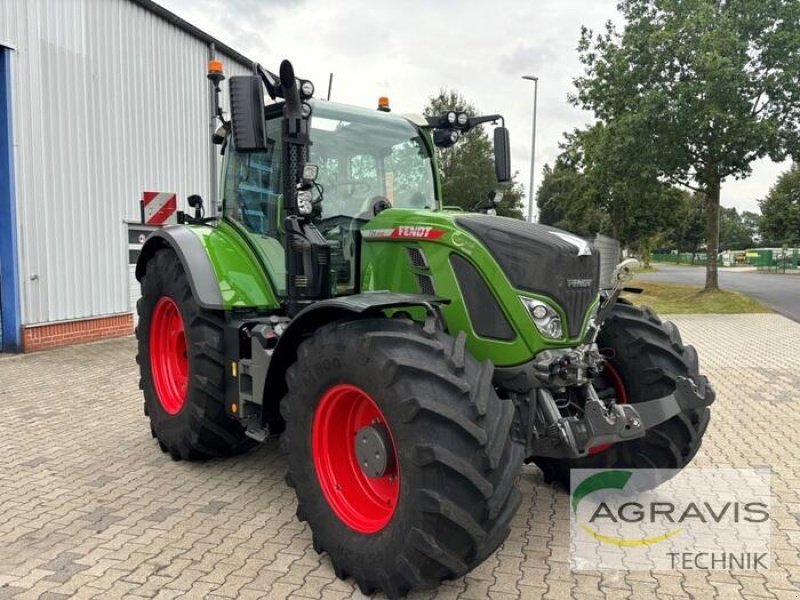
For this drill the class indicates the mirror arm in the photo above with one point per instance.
(271, 82)
(473, 121)
(290, 94)
(218, 104)
(436, 122)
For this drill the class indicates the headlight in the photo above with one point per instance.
(544, 317)
(462, 118)
(451, 117)
(305, 206)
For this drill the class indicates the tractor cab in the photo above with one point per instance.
(302, 177)
(367, 161)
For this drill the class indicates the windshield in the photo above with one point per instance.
(366, 159)
(365, 156)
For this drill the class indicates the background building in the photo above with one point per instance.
(100, 101)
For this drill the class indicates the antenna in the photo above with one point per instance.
(330, 85)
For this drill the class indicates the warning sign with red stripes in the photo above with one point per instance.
(159, 208)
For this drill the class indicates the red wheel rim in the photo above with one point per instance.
(611, 374)
(363, 503)
(168, 361)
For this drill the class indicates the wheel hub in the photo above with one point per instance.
(169, 363)
(355, 458)
(373, 449)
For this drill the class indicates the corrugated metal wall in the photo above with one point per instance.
(109, 100)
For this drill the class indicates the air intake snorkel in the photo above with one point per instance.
(291, 109)
(295, 135)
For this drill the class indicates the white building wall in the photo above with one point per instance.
(110, 100)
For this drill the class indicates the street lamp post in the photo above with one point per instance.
(531, 191)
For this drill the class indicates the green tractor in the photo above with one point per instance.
(410, 357)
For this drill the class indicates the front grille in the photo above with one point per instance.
(487, 318)
(538, 258)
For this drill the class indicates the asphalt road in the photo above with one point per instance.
(779, 292)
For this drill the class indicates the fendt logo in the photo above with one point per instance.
(414, 232)
(579, 283)
(692, 523)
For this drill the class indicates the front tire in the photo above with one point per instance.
(444, 501)
(647, 356)
(181, 362)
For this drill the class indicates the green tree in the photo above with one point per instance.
(565, 200)
(752, 222)
(467, 168)
(623, 199)
(697, 90)
(780, 222)
(687, 232)
(734, 234)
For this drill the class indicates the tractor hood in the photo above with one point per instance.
(543, 260)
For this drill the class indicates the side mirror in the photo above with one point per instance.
(247, 113)
(502, 154)
(196, 202)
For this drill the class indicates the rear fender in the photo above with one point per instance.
(193, 257)
(223, 270)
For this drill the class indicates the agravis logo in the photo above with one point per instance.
(605, 481)
(696, 519)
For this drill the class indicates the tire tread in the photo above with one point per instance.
(206, 431)
(466, 453)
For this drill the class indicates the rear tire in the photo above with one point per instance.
(456, 464)
(648, 355)
(192, 425)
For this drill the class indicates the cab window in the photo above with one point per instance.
(252, 187)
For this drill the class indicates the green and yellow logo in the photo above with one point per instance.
(611, 480)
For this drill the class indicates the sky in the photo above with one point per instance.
(409, 50)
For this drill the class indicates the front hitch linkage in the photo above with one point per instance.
(572, 437)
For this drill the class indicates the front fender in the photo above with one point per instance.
(320, 313)
(325, 311)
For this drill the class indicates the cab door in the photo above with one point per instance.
(252, 198)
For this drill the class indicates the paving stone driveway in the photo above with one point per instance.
(89, 506)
